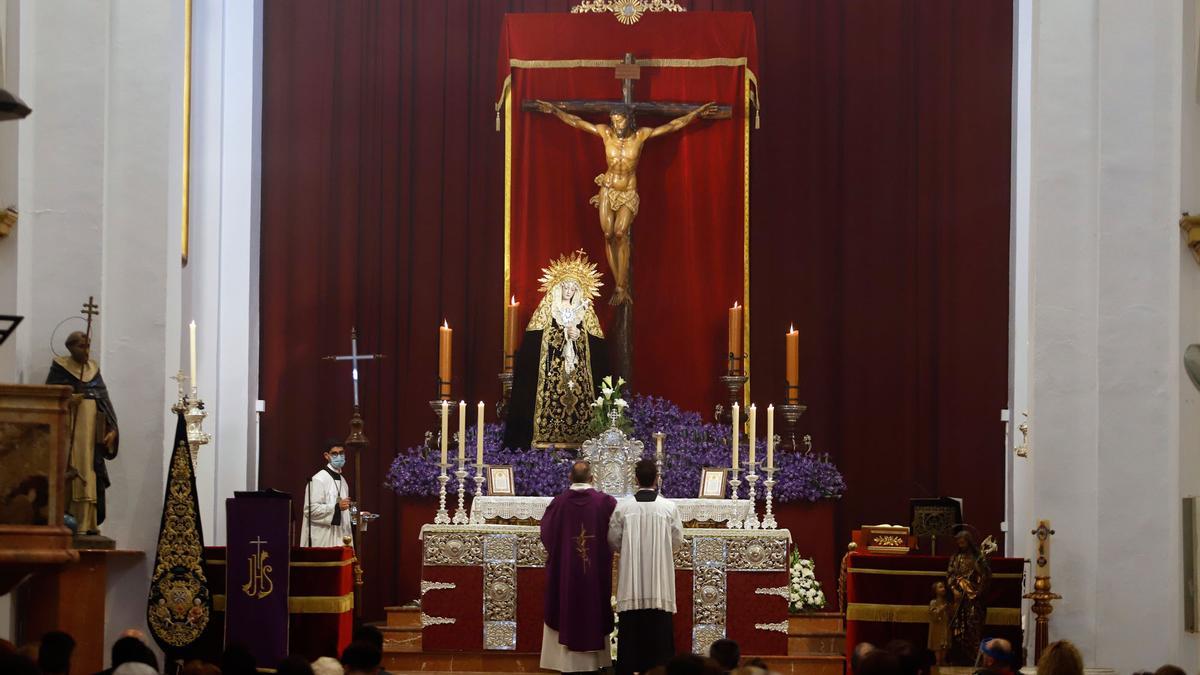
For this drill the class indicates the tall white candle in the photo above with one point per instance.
(771, 436)
(753, 417)
(736, 423)
(192, 343)
(462, 432)
(479, 439)
(445, 432)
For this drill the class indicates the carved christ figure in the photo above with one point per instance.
(618, 199)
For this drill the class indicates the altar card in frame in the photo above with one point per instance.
(500, 481)
(712, 483)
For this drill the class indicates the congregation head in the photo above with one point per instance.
(859, 653)
(361, 658)
(581, 471)
(997, 655)
(880, 662)
(198, 667)
(327, 665)
(646, 472)
(54, 653)
(131, 649)
(1060, 658)
(913, 659)
(726, 653)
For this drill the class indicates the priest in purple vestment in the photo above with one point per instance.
(579, 614)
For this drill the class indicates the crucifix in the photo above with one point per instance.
(90, 309)
(354, 357)
(617, 200)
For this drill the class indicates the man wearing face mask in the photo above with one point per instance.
(327, 502)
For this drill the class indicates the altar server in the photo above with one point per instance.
(646, 531)
(327, 502)
(578, 610)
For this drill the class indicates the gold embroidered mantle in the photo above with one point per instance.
(179, 605)
(563, 401)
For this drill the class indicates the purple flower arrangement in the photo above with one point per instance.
(690, 445)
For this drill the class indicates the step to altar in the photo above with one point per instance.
(816, 634)
(517, 662)
(404, 616)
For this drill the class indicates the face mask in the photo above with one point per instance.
(338, 461)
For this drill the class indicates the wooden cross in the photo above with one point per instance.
(354, 357)
(627, 71)
(90, 309)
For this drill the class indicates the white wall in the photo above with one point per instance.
(220, 283)
(1106, 288)
(93, 174)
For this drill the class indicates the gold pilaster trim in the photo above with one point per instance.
(185, 226)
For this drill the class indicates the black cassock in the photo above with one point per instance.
(535, 373)
(94, 389)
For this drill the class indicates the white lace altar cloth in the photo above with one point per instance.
(489, 508)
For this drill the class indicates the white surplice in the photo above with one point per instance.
(646, 534)
(321, 495)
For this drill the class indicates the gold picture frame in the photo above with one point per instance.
(712, 483)
(500, 481)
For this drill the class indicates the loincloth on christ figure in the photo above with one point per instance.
(616, 198)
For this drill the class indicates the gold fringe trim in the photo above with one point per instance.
(746, 242)
(715, 62)
(924, 573)
(507, 202)
(863, 611)
(503, 97)
(306, 604)
(335, 563)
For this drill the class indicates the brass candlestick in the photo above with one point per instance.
(734, 384)
(506, 384)
(1042, 597)
(791, 415)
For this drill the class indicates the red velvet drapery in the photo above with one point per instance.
(880, 190)
(689, 234)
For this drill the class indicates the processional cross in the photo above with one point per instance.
(358, 441)
(618, 199)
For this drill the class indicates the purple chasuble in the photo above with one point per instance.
(579, 568)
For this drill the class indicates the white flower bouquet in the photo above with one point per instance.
(804, 591)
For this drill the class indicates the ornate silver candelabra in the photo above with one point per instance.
(768, 521)
(460, 515)
(734, 484)
(751, 522)
(442, 517)
(193, 414)
(476, 516)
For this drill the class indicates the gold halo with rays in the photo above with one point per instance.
(574, 267)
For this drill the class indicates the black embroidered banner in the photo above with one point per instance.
(179, 604)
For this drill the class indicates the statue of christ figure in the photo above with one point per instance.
(618, 198)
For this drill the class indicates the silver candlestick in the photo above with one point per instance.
(442, 517)
(751, 522)
(768, 521)
(460, 515)
(476, 516)
(193, 415)
(734, 484)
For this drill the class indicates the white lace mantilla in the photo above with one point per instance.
(532, 508)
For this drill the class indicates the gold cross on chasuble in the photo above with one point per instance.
(581, 547)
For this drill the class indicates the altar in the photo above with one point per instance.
(482, 587)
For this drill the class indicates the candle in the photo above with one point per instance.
(1041, 549)
(658, 439)
(771, 436)
(445, 432)
(753, 414)
(511, 312)
(462, 433)
(735, 336)
(192, 343)
(793, 364)
(479, 439)
(736, 422)
(445, 333)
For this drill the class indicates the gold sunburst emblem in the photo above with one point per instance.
(574, 267)
(627, 12)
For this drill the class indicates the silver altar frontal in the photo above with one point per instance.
(529, 510)
(482, 586)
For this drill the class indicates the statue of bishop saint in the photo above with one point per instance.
(561, 360)
(94, 432)
(618, 198)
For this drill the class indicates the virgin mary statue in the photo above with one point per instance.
(561, 359)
